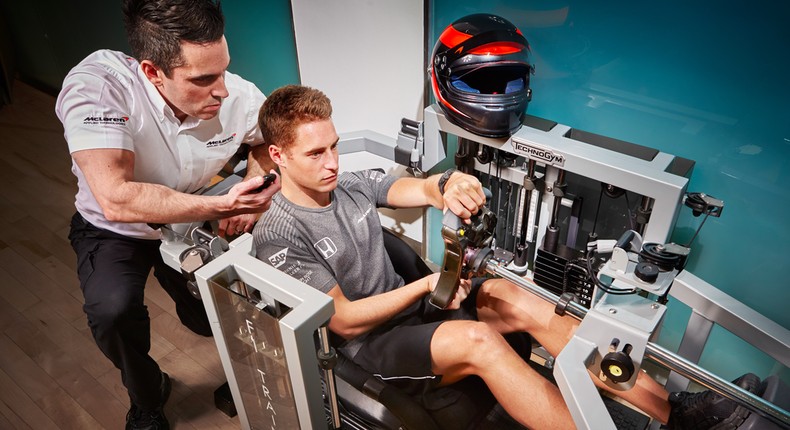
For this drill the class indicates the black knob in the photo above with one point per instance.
(617, 366)
(647, 272)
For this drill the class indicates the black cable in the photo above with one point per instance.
(489, 176)
(707, 214)
(597, 211)
(599, 284)
(628, 211)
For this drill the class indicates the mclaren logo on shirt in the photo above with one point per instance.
(220, 142)
(278, 259)
(375, 174)
(326, 247)
(105, 120)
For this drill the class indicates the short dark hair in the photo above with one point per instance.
(289, 107)
(156, 28)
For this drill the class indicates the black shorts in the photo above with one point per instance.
(400, 353)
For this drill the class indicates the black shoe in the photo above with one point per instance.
(708, 410)
(165, 388)
(141, 419)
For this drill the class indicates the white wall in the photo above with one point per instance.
(367, 56)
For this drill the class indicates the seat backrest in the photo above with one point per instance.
(367, 397)
(407, 263)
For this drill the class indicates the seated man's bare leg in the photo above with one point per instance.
(464, 348)
(508, 308)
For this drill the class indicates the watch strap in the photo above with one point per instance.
(444, 178)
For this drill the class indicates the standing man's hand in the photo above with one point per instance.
(246, 196)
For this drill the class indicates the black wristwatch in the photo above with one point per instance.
(445, 177)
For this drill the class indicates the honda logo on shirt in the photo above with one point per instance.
(326, 247)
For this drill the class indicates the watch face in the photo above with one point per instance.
(443, 180)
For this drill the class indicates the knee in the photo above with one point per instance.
(114, 313)
(499, 288)
(520, 309)
(484, 343)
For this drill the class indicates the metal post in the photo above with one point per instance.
(327, 360)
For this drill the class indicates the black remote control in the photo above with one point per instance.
(268, 179)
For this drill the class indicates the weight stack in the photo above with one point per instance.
(562, 272)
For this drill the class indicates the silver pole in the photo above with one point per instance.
(662, 356)
(690, 370)
(576, 310)
(329, 377)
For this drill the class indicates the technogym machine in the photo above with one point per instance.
(580, 220)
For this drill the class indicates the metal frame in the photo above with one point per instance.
(368, 141)
(649, 178)
(711, 306)
(310, 309)
(653, 178)
(580, 394)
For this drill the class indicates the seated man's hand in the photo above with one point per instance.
(463, 195)
(460, 295)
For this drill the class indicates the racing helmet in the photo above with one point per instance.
(480, 73)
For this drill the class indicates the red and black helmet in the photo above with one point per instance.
(480, 73)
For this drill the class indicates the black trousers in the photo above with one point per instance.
(113, 270)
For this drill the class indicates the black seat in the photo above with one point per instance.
(407, 263)
(380, 405)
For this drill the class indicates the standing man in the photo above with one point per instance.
(145, 133)
(323, 229)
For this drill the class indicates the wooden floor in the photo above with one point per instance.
(52, 375)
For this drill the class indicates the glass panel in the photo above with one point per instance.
(255, 347)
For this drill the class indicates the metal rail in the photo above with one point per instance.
(327, 358)
(661, 355)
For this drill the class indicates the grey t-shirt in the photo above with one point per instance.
(340, 244)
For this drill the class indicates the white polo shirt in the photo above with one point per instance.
(107, 102)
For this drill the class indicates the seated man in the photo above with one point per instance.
(323, 229)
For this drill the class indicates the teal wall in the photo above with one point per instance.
(261, 42)
(702, 80)
(50, 37)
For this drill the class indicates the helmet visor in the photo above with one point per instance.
(492, 80)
